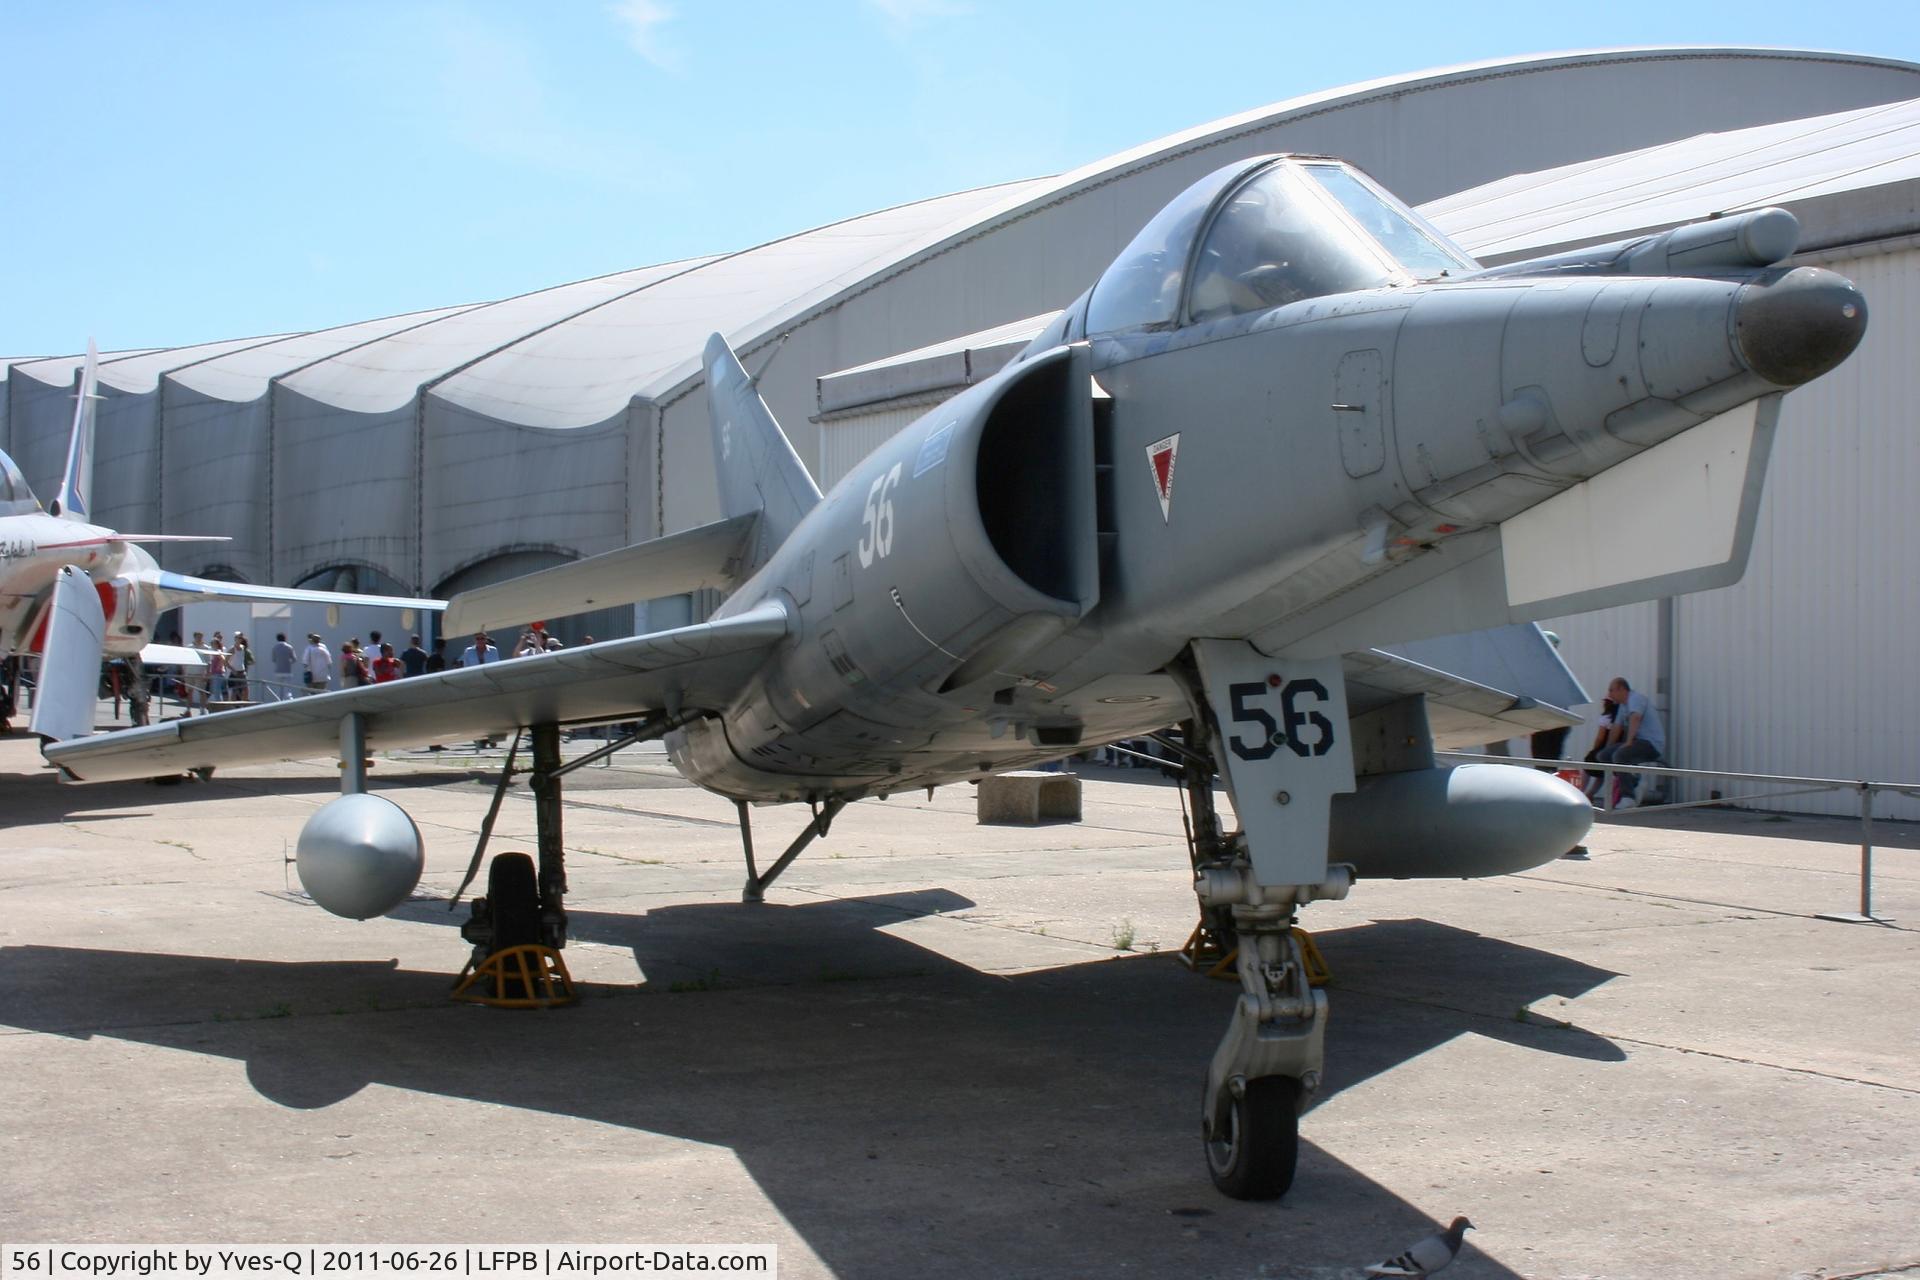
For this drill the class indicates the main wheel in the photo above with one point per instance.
(1255, 1158)
(513, 900)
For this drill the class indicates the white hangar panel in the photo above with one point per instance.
(586, 369)
(382, 375)
(6, 432)
(214, 473)
(1439, 131)
(1804, 164)
(128, 441)
(346, 488)
(40, 417)
(141, 373)
(244, 374)
(490, 487)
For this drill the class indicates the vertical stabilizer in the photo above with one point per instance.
(75, 499)
(757, 467)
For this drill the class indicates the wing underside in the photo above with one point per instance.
(1460, 712)
(697, 667)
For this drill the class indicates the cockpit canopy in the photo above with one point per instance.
(1262, 233)
(15, 498)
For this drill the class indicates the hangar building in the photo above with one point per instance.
(451, 448)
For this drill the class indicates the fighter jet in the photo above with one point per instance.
(1290, 426)
(73, 591)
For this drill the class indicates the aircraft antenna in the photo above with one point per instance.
(753, 379)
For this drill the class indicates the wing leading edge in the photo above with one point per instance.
(698, 667)
(174, 589)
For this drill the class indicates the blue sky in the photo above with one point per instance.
(184, 172)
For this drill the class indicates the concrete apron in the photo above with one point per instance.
(943, 1049)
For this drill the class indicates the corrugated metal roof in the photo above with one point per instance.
(140, 373)
(57, 371)
(243, 375)
(1775, 164)
(381, 375)
(586, 369)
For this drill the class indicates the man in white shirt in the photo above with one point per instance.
(1642, 739)
(317, 664)
(481, 650)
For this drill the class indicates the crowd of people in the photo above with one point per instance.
(234, 673)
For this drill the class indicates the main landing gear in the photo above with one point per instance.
(520, 926)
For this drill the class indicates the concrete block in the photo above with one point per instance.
(1028, 797)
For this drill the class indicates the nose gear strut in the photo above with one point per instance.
(1285, 723)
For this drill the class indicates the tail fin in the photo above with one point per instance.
(75, 499)
(69, 688)
(757, 467)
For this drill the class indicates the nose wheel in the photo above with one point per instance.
(1254, 1155)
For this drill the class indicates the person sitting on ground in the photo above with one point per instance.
(1642, 738)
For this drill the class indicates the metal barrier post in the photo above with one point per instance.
(1866, 851)
(1865, 915)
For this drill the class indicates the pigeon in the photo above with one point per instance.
(1428, 1256)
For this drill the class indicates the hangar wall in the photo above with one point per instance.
(1806, 666)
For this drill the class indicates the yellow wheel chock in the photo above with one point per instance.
(1203, 954)
(536, 973)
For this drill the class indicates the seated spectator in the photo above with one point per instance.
(1642, 737)
(1606, 732)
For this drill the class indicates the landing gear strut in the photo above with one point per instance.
(755, 890)
(525, 903)
(1275, 731)
(1268, 1064)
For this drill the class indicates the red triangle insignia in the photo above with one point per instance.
(1161, 455)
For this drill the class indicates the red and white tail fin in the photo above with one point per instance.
(69, 689)
(75, 499)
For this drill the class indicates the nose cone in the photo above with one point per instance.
(1792, 328)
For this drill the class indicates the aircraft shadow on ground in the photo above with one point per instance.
(841, 1064)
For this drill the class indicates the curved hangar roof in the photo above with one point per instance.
(575, 354)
